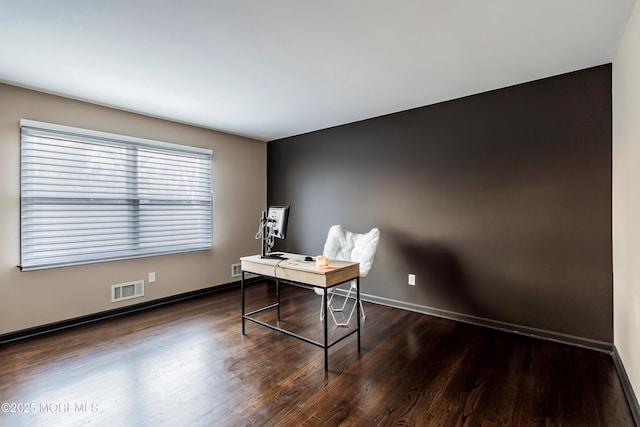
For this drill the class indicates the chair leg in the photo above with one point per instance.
(344, 303)
(350, 315)
(331, 309)
(348, 320)
(328, 304)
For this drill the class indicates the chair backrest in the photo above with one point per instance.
(345, 245)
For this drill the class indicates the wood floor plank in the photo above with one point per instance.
(188, 364)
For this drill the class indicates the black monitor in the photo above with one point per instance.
(273, 225)
(277, 220)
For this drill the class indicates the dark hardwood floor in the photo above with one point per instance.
(188, 364)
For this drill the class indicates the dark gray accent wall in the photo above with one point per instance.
(499, 203)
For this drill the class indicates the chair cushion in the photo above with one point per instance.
(345, 245)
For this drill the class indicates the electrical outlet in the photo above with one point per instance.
(152, 277)
(412, 279)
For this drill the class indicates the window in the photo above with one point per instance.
(90, 196)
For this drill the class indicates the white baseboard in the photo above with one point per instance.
(489, 323)
(627, 387)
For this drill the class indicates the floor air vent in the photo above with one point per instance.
(127, 290)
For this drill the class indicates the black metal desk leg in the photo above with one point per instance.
(358, 308)
(242, 289)
(278, 297)
(326, 330)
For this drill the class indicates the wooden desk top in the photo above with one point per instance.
(295, 269)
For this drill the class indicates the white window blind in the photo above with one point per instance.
(90, 196)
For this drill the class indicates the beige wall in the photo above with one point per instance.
(626, 199)
(40, 297)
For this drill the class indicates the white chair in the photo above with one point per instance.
(345, 245)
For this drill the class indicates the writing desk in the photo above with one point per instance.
(294, 271)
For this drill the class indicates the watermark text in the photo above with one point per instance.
(49, 407)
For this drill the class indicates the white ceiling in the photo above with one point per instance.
(268, 69)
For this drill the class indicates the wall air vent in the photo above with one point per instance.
(127, 290)
(236, 270)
